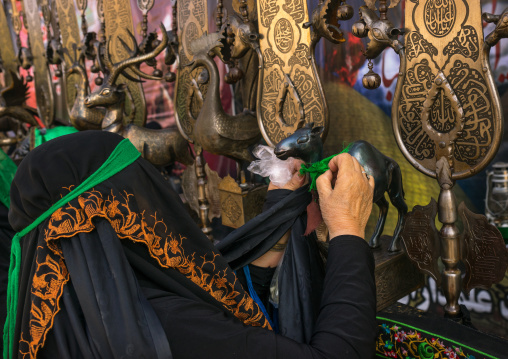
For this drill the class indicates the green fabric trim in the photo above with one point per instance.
(122, 156)
(7, 171)
(316, 169)
(52, 133)
(435, 335)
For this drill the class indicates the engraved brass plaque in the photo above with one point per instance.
(421, 239)
(486, 256)
(285, 45)
(7, 53)
(69, 32)
(446, 103)
(192, 23)
(118, 19)
(42, 76)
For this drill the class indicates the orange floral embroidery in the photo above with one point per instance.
(47, 287)
(166, 248)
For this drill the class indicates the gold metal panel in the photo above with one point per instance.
(445, 48)
(69, 32)
(192, 24)
(42, 76)
(285, 45)
(118, 19)
(7, 53)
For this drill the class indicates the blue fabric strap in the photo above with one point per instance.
(255, 296)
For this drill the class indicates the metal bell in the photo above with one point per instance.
(371, 80)
(157, 73)
(234, 75)
(359, 29)
(98, 81)
(170, 77)
(345, 11)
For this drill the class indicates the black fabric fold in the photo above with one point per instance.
(257, 236)
(301, 272)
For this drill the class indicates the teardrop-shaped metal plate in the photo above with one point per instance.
(118, 19)
(192, 24)
(42, 77)
(285, 45)
(447, 39)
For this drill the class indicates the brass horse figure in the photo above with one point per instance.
(214, 130)
(306, 145)
(160, 147)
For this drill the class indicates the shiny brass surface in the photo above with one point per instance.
(12, 102)
(457, 50)
(501, 30)
(395, 274)
(160, 147)
(69, 32)
(421, 239)
(214, 130)
(42, 76)
(119, 25)
(486, 256)
(285, 43)
(82, 117)
(189, 183)
(381, 32)
(8, 59)
(202, 199)
(240, 203)
(192, 23)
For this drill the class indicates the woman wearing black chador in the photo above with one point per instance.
(107, 263)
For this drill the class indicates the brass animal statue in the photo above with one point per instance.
(381, 32)
(160, 147)
(83, 117)
(306, 145)
(325, 21)
(214, 130)
(501, 30)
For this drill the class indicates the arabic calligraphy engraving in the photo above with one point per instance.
(416, 84)
(439, 16)
(417, 45)
(284, 36)
(471, 89)
(465, 44)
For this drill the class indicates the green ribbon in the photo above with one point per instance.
(122, 156)
(316, 169)
(50, 133)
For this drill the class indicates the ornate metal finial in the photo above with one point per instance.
(220, 14)
(382, 9)
(102, 20)
(145, 6)
(243, 11)
(82, 5)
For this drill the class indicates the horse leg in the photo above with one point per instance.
(382, 203)
(396, 194)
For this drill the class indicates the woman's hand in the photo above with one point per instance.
(296, 181)
(345, 196)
